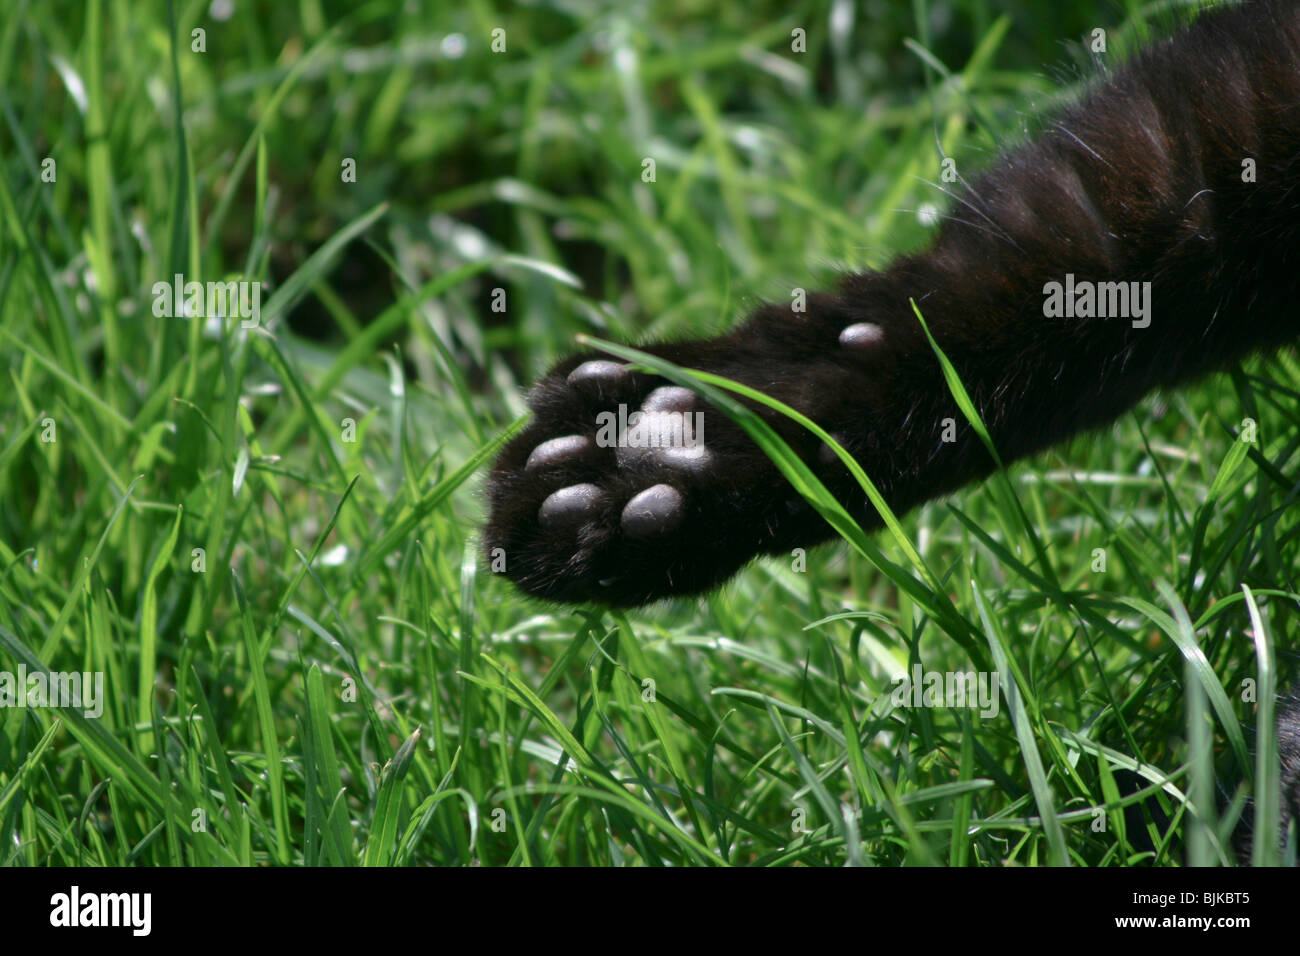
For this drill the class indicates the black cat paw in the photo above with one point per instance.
(627, 488)
(610, 494)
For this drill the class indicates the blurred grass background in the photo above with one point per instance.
(306, 661)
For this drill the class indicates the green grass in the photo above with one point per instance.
(306, 660)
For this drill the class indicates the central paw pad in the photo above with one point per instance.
(665, 432)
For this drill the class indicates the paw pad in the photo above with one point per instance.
(598, 372)
(556, 451)
(862, 335)
(570, 506)
(657, 510)
(674, 439)
(669, 398)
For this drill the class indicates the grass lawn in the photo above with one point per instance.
(262, 535)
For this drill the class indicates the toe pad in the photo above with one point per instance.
(557, 451)
(570, 506)
(657, 510)
(598, 372)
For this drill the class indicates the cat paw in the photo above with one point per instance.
(610, 490)
(627, 488)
